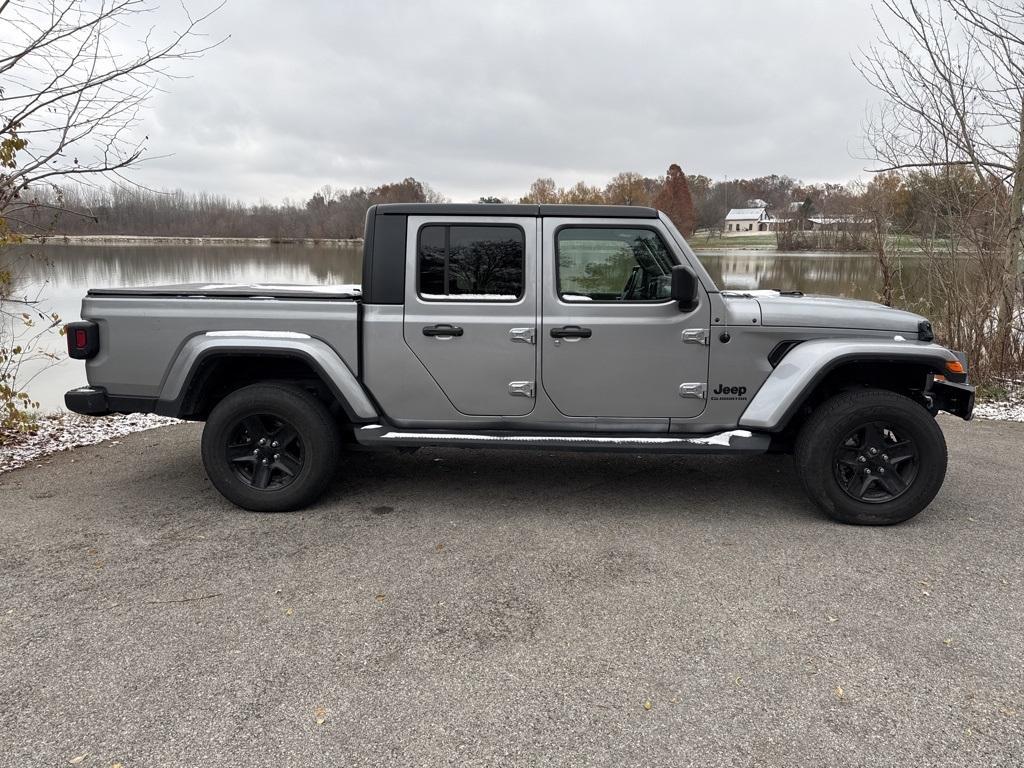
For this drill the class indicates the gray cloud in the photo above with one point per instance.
(481, 98)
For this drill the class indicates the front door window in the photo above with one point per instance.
(612, 264)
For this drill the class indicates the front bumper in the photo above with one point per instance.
(953, 397)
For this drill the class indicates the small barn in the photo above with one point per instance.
(749, 220)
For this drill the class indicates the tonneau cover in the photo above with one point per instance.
(237, 290)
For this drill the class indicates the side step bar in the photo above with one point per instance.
(736, 441)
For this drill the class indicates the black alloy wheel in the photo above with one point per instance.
(271, 447)
(875, 463)
(870, 456)
(265, 451)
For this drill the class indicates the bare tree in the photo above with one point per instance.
(72, 89)
(952, 76)
(72, 100)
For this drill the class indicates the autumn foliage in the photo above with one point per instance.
(675, 200)
(670, 194)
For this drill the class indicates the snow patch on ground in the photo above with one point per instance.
(64, 431)
(1011, 408)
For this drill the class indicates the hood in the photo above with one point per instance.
(784, 309)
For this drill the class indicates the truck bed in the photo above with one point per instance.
(151, 328)
(237, 291)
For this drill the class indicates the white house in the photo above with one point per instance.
(749, 220)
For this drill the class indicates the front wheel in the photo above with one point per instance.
(270, 447)
(871, 457)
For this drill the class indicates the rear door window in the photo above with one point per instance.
(461, 262)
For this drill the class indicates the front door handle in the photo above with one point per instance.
(444, 329)
(571, 332)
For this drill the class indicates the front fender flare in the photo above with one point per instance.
(321, 357)
(800, 371)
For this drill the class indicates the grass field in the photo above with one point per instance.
(762, 242)
(902, 243)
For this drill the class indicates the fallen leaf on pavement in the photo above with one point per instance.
(839, 692)
(289, 612)
(381, 598)
(648, 704)
(77, 759)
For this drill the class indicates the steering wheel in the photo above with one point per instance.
(630, 286)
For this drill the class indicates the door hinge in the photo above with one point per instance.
(520, 388)
(695, 390)
(522, 335)
(695, 336)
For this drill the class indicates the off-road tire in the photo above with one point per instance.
(313, 451)
(824, 459)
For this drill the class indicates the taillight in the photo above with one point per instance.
(83, 339)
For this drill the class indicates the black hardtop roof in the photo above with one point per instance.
(502, 209)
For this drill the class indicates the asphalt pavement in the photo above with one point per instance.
(507, 609)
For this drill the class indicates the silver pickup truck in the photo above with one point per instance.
(528, 326)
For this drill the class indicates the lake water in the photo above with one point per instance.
(65, 272)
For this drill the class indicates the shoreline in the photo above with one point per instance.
(709, 247)
(63, 431)
(319, 242)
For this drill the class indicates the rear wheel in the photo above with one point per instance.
(871, 457)
(270, 447)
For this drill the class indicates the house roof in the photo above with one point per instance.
(744, 214)
(837, 219)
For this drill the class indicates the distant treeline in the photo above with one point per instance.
(328, 213)
(694, 202)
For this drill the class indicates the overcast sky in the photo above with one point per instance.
(480, 98)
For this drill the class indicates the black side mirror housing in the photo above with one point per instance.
(684, 288)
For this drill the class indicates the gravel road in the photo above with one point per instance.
(514, 609)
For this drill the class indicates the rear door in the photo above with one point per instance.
(613, 344)
(471, 309)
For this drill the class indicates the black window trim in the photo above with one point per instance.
(558, 265)
(453, 298)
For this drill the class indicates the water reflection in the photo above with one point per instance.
(67, 271)
(848, 275)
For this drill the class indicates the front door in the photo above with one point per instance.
(471, 309)
(613, 344)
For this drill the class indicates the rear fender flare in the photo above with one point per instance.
(321, 358)
(807, 364)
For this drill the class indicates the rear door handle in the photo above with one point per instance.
(571, 332)
(444, 329)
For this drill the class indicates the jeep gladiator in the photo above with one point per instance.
(528, 326)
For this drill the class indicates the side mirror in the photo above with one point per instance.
(684, 288)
